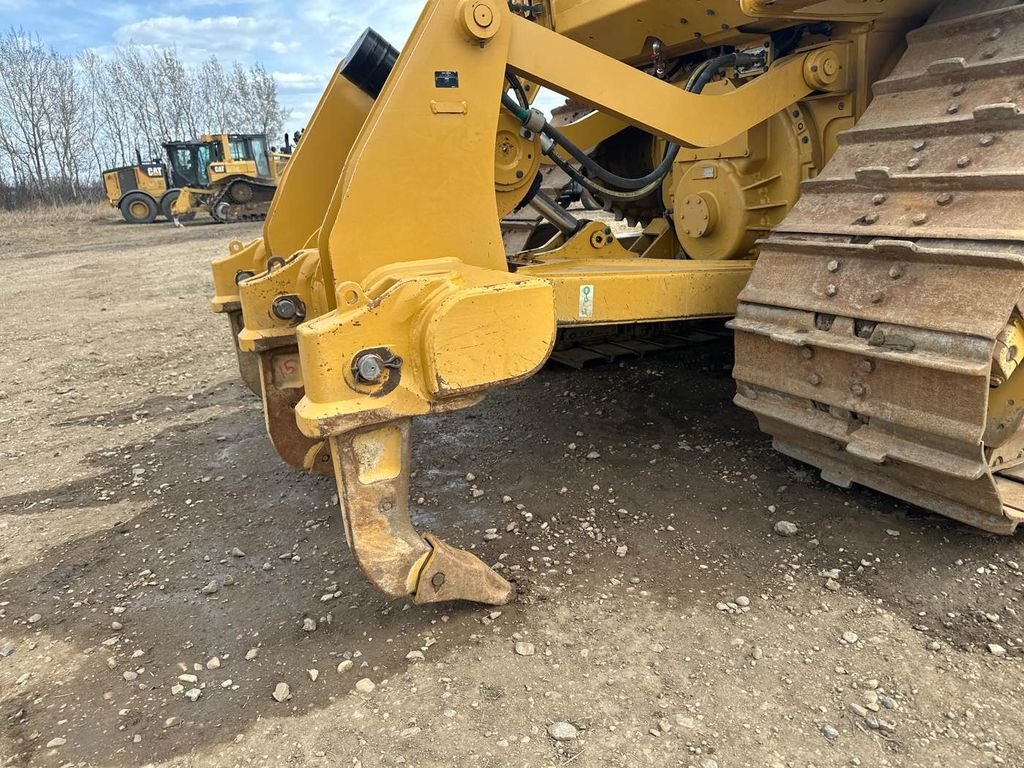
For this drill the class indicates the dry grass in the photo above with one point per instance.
(41, 214)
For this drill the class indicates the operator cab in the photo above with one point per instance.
(252, 147)
(190, 161)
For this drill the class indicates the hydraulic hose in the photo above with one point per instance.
(628, 189)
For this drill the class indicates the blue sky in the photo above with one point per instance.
(299, 41)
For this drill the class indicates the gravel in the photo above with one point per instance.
(786, 528)
(562, 731)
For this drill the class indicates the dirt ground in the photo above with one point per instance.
(661, 620)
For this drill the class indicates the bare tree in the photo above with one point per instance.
(64, 119)
(266, 115)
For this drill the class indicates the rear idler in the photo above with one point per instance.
(372, 470)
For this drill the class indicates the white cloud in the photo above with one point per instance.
(228, 35)
(300, 81)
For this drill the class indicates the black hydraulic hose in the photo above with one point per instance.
(605, 175)
(517, 86)
(697, 83)
(634, 188)
(593, 186)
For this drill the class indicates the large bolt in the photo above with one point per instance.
(369, 367)
(896, 272)
(814, 379)
(833, 266)
(859, 390)
(288, 308)
(831, 290)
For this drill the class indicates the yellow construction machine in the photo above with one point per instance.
(139, 191)
(231, 176)
(838, 177)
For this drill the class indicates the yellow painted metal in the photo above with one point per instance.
(153, 183)
(452, 146)
(722, 205)
(625, 29)
(189, 200)
(312, 174)
(516, 162)
(587, 132)
(423, 295)
(299, 279)
(833, 10)
(659, 107)
(1005, 416)
(240, 263)
(457, 329)
(597, 281)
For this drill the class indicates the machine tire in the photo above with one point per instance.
(138, 208)
(167, 201)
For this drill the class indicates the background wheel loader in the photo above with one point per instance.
(842, 179)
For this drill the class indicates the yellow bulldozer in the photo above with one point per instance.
(840, 180)
(231, 176)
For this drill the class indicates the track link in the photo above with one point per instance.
(865, 337)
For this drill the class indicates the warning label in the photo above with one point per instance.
(586, 301)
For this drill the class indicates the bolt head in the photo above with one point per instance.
(370, 368)
(963, 162)
(859, 390)
(879, 199)
(285, 308)
(814, 379)
(920, 219)
(806, 353)
(833, 266)
(945, 198)
(896, 272)
(867, 366)
(831, 290)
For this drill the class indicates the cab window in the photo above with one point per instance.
(259, 153)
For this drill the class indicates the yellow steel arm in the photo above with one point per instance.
(659, 107)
